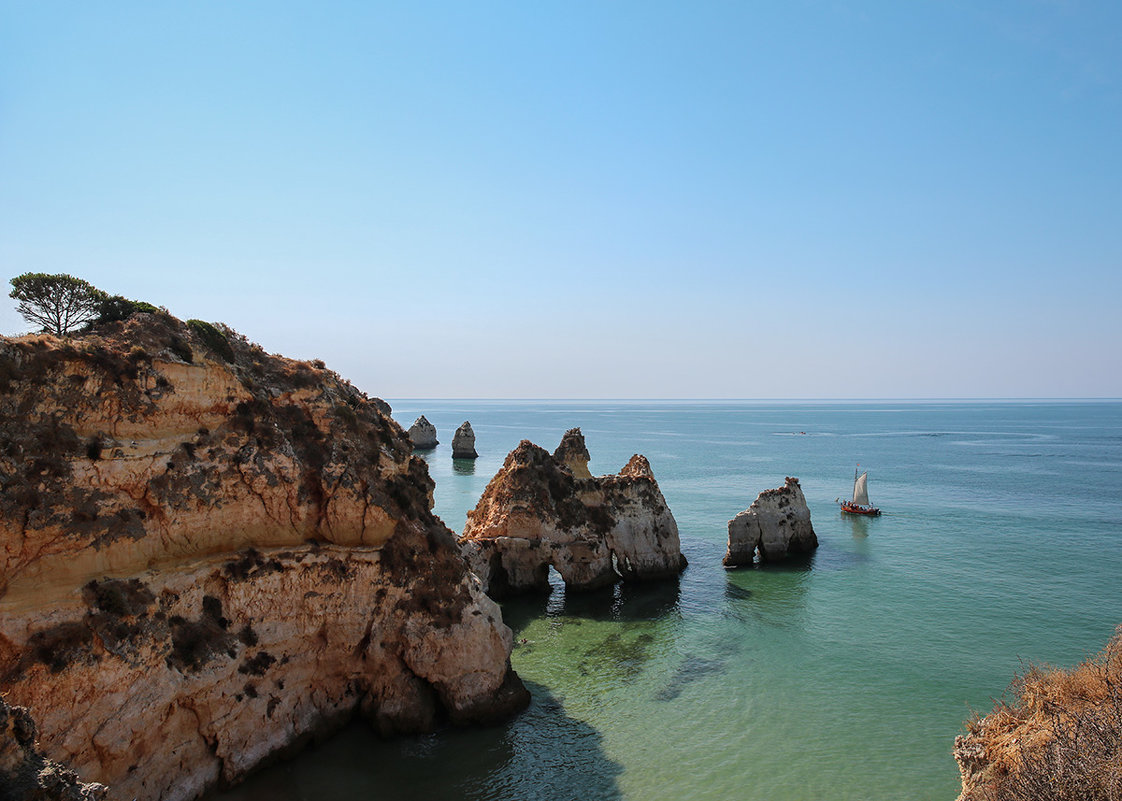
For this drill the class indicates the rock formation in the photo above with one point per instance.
(423, 434)
(209, 555)
(463, 443)
(538, 511)
(776, 526)
(572, 454)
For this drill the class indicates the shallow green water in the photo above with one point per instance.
(844, 677)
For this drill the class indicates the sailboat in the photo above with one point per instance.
(860, 504)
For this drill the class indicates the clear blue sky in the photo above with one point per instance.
(590, 199)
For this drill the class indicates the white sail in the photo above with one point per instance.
(861, 490)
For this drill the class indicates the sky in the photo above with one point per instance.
(614, 199)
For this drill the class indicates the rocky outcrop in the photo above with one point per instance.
(536, 512)
(463, 443)
(572, 454)
(25, 774)
(209, 555)
(776, 526)
(423, 434)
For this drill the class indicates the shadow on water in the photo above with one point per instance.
(623, 602)
(463, 467)
(541, 755)
(772, 595)
(800, 563)
(692, 669)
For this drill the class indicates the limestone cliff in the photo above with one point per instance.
(539, 511)
(209, 554)
(776, 526)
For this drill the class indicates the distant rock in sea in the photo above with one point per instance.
(423, 434)
(463, 443)
(537, 512)
(776, 526)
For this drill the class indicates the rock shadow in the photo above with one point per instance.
(542, 755)
(463, 467)
(625, 602)
(799, 563)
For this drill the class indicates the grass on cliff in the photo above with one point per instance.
(1058, 735)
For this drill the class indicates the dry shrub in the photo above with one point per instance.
(1059, 737)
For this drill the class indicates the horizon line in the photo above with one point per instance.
(960, 399)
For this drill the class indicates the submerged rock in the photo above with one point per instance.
(776, 526)
(423, 434)
(463, 443)
(209, 555)
(595, 531)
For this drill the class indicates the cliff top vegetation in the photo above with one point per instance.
(1056, 736)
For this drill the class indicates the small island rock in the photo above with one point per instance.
(776, 526)
(463, 443)
(536, 513)
(423, 434)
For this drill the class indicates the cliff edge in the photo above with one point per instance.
(209, 554)
(1056, 736)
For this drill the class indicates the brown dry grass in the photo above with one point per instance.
(1057, 736)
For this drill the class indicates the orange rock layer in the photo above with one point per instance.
(209, 554)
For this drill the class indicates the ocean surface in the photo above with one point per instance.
(846, 676)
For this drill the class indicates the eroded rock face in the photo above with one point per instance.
(463, 443)
(423, 434)
(537, 512)
(776, 526)
(209, 555)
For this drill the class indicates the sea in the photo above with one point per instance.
(842, 676)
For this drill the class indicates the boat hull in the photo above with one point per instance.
(854, 509)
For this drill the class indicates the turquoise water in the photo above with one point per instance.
(843, 677)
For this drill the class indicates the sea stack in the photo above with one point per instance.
(210, 555)
(776, 526)
(537, 512)
(423, 434)
(463, 443)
